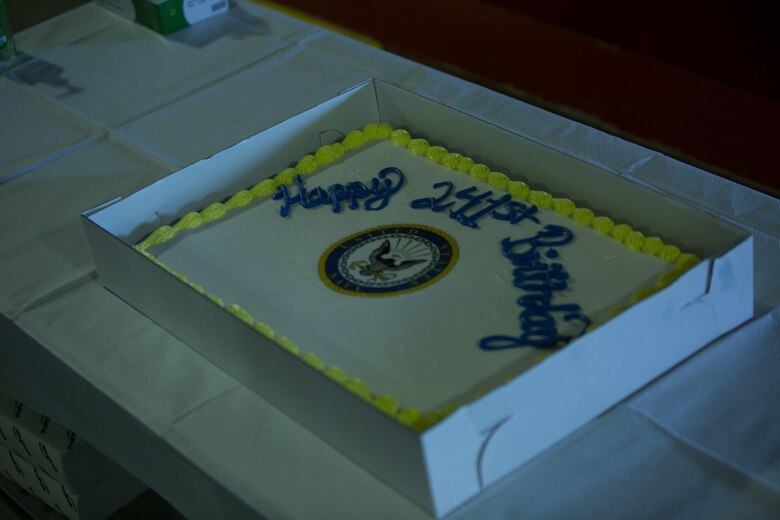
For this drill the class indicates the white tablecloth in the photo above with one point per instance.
(98, 107)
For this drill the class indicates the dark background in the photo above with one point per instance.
(697, 81)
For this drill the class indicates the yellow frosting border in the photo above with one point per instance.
(407, 415)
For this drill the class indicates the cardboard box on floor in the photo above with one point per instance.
(166, 16)
(53, 464)
(95, 502)
(50, 446)
(484, 440)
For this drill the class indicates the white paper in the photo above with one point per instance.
(126, 70)
(34, 130)
(240, 106)
(42, 241)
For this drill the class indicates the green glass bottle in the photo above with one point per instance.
(7, 45)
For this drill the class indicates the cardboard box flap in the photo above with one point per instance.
(451, 451)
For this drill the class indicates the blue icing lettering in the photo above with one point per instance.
(476, 200)
(540, 280)
(376, 197)
(383, 188)
(476, 206)
(516, 212)
(550, 236)
(435, 204)
(471, 201)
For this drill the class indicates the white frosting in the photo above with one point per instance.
(420, 347)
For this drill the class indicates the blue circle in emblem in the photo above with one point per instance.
(388, 260)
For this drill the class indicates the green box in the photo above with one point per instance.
(166, 16)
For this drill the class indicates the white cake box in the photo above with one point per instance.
(450, 462)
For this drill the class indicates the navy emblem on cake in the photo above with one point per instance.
(388, 260)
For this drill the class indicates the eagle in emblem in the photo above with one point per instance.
(385, 259)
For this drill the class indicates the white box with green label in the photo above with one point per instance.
(166, 16)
